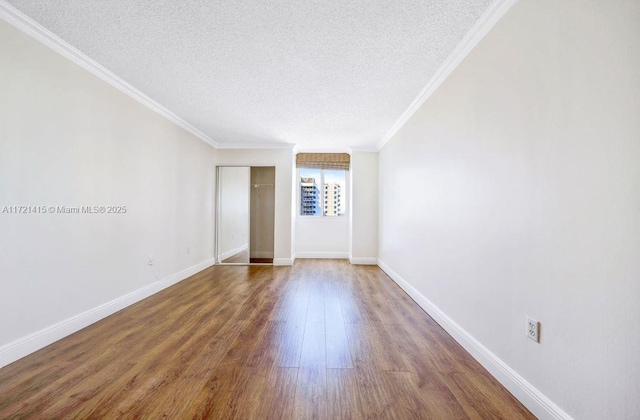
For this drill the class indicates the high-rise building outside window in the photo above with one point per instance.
(322, 192)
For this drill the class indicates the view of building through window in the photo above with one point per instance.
(322, 192)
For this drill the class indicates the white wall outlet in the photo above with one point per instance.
(533, 329)
(188, 250)
(151, 259)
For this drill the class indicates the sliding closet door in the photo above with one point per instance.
(233, 215)
(262, 214)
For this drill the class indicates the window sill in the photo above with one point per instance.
(324, 219)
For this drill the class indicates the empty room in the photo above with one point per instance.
(319, 209)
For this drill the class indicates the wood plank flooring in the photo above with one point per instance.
(322, 339)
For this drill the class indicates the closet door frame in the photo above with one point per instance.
(216, 241)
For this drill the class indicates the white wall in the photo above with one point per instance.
(69, 139)
(515, 190)
(364, 208)
(322, 237)
(233, 231)
(282, 159)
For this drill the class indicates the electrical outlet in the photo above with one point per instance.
(533, 329)
(151, 259)
(188, 250)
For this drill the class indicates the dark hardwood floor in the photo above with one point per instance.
(322, 339)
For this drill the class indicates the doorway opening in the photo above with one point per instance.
(245, 227)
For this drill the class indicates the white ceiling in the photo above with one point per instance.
(319, 74)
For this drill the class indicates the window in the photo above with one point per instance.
(313, 182)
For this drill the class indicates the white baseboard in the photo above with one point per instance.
(363, 260)
(283, 261)
(24, 346)
(541, 406)
(233, 252)
(333, 255)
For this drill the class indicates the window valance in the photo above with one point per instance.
(323, 160)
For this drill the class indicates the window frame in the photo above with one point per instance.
(322, 216)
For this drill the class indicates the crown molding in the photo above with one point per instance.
(27, 25)
(478, 31)
(364, 149)
(19, 20)
(323, 150)
(348, 150)
(231, 146)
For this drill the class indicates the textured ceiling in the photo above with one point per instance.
(315, 73)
